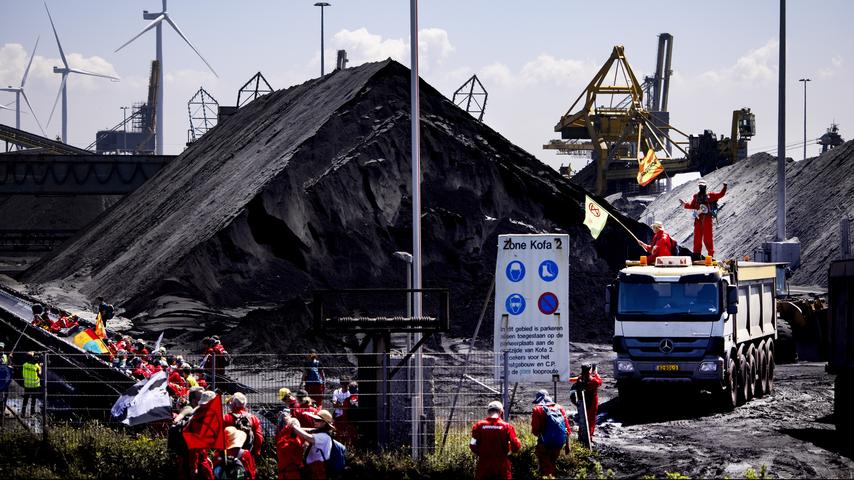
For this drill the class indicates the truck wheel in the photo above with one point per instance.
(628, 396)
(770, 347)
(727, 395)
(785, 351)
(760, 360)
(743, 369)
(750, 356)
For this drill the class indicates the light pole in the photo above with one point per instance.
(781, 129)
(125, 126)
(407, 257)
(321, 5)
(805, 80)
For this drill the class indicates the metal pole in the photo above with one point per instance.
(781, 130)
(805, 80)
(125, 125)
(44, 399)
(415, 118)
(384, 423)
(213, 371)
(505, 384)
(65, 111)
(321, 43)
(159, 138)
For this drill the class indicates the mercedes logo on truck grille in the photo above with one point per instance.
(666, 345)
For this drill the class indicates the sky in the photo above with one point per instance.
(534, 59)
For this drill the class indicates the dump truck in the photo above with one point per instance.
(705, 324)
(841, 362)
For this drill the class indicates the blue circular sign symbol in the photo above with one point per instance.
(548, 303)
(515, 304)
(515, 271)
(548, 270)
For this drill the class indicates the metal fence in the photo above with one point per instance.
(78, 389)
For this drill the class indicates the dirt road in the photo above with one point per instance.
(790, 432)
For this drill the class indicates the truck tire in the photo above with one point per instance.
(761, 370)
(785, 351)
(628, 394)
(743, 369)
(770, 349)
(727, 396)
(750, 356)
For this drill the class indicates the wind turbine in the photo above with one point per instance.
(63, 88)
(19, 92)
(157, 21)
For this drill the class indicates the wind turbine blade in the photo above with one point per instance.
(149, 27)
(61, 52)
(178, 31)
(27, 71)
(4, 107)
(23, 94)
(86, 72)
(58, 93)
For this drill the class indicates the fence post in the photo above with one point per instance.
(505, 385)
(213, 371)
(44, 399)
(384, 419)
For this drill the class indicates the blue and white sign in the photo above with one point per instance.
(515, 271)
(515, 304)
(531, 299)
(548, 270)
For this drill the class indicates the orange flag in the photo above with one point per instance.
(648, 168)
(206, 429)
(100, 331)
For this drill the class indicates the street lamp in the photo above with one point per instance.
(321, 5)
(805, 80)
(125, 126)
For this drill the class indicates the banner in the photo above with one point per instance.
(594, 216)
(100, 331)
(649, 167)
(147, 401)
(89, 341)
(207, 428)
(532, 306)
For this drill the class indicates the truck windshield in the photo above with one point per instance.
(668, 298)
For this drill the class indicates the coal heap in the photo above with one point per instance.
(309, 188)
(819, 192)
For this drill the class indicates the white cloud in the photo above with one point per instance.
(544, 69)
(756, 66)
(363, 46)
(14, 58)
(13, 61)
(835, 65)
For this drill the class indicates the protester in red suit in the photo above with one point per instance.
(547, 455)
(703, 202)
(193, 464)
(492, 441)
(290, 449)
(661, 244)
(238, 409)
(589, 382)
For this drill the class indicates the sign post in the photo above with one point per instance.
(532, 306)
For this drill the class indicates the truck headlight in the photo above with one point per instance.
(708, 367)
(625, 366)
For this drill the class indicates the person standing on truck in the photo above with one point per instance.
(661, 244)
(706, 209)
(550, 425)
(492, 441)
(589, 382)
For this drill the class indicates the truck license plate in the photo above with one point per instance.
(667, 367)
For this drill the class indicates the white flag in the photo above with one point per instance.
(147, 401)
(594, 216)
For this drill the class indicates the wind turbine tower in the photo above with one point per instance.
(65, 70)
(19, 92)
(157, 20)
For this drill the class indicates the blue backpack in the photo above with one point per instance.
(554, 433)
(337, 458)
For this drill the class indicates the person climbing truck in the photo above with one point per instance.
(661, 244)
(705, 206)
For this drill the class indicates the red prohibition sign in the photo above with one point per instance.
(594, 209)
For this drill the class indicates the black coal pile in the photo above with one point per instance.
(819, 193)
(309, 188)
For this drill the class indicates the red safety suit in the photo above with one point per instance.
(492, 440)
(256, 428)
(195, 465)
(703, 221)
(245, 458)
(589, 384)
(289, 453)
(301, 414)
(546, 457)
(660, 246)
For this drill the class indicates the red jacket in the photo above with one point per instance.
(492, 441)
(245, 458)
(538, 419)
(591, 385)
(660, 246)
(695, 203)
(289, 452)
(256, 428)
(301, 414)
